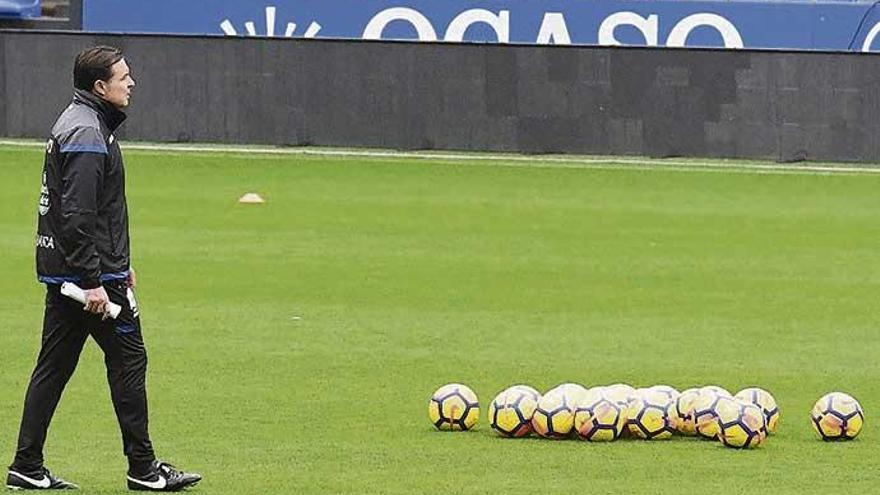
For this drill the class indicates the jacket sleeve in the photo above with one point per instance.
(82, 175)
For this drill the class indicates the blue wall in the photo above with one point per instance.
(733, 24)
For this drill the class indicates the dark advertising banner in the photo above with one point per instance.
(659, 102)
(787, 24)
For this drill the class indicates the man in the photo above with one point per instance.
(82, 237)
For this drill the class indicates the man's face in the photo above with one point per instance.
(118, 89)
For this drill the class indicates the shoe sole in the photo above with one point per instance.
(23, 489)
(139, 488)
(188, 485)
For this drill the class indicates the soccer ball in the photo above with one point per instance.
(684, 412)
(571, 390)
(531, 390)
(765, 401)
(650, 415)
(707, 408)
(598, 418)
(717, 390)
(620, 393)
(554, 416)
(454, 407)
(744, 427)
(670, 392)
(510, 413)
(837, 416)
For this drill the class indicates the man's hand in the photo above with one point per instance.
(132, 278)
(96, 301)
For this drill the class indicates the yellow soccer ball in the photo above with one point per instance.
(684, 412)
(742, 428)
(837, 416)
(717, 390)
(671, 393)
(649, 416)
(707, 409)
(571, 390)
(765, 401)
(510, 413)
(454, 407)
(598, 418)
(528, 388)
(554, 416)
(620, 393)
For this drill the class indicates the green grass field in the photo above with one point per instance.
(294, 345)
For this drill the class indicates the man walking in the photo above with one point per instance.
(82, 237)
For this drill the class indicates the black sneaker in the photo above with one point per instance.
(41, 480)
(163, 478)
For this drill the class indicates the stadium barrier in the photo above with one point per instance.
(533, 99)
(771, 24)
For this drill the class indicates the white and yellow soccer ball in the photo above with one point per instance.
(454, 407)
(620, 393)
(717, 390)
(571, 390)
(528, 388)
(707, 408)
(636, 393)
(670, 392)
(684, 412)
(510, 413)
(598, 418)
(765, 401)
(554, 416)
(837, 416)
(743, 427)
(649, 416)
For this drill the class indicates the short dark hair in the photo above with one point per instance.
(93, 64)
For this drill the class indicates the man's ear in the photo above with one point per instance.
(100, 87)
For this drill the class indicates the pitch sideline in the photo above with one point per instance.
(510, 160)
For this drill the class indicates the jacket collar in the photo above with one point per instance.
(112, 117)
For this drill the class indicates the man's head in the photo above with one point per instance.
(102, 70)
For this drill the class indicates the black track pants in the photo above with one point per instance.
(65, 330)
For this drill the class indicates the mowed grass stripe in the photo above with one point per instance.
(294, 345)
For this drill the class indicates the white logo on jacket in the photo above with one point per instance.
(45, 241)
(44, 194)
(132, 303)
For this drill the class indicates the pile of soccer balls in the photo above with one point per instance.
(606, 413)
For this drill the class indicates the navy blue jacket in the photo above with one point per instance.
(82, 230)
